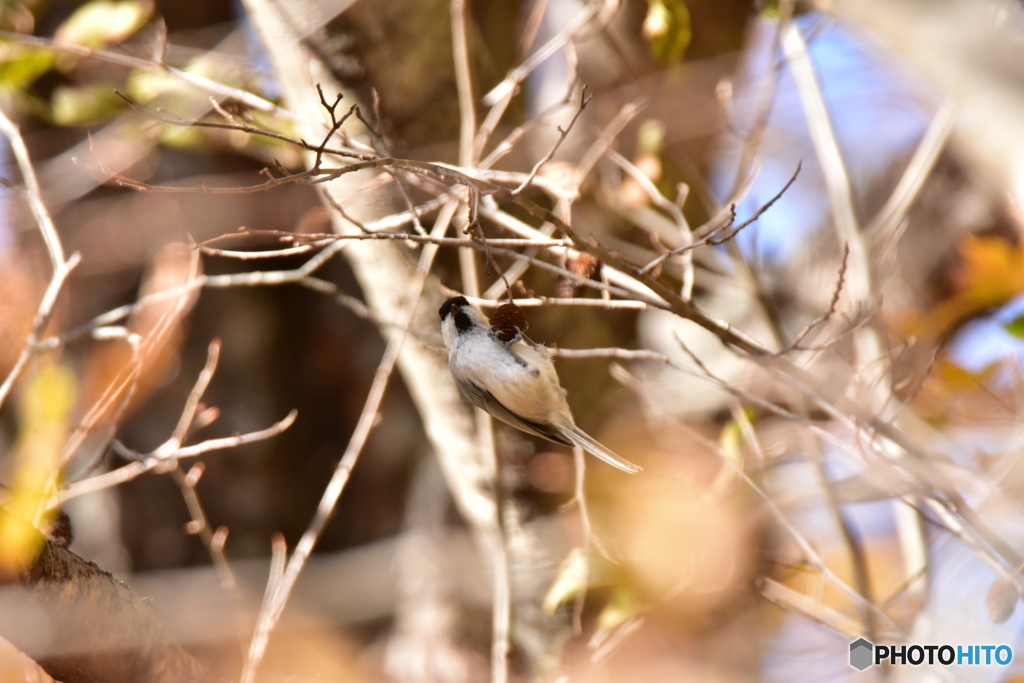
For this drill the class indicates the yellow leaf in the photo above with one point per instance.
(21, 544)
(623, 605)
(45, 406)
(573, 576)
(48, 398)
(103, 22)
(730, 442)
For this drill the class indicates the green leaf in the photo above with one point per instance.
(182, 137)
(1015, 327)
(103, 22)
(667, 28)
(85, 104)
(146, 86)
(21, 65)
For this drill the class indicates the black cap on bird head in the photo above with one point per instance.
(446, 307)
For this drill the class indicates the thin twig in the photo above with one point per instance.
(608, 304)
(151, 461)
(533, 23)
(836, 293)
(811, 555)
(274, 602)
(606, 139)
(855, 548)
(672, 209)
(459, 10)
(580, 498)
(122, 387)
(32, 191)
(883, 228)
(61, 268)
(790, 600)
(187, 482)
(616, 277)
(42, 319)
(510, 140)
(268, 253)
(763, 108)
(562, 133)
(714, 238)
(515, 77)
(205, 84)
(318, 241)
(830, 155)
(164, 116)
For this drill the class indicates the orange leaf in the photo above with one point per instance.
(991, 273)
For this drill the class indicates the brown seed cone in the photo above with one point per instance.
(584, 265)
(505, 321)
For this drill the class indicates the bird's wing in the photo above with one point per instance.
(588, 443)
(482, 398)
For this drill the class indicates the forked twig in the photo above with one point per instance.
(148, 462)
(562, 133)
(164, 116)
(713, 238)
(61, 267)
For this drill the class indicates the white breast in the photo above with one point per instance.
(521, 377)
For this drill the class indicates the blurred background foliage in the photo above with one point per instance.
(693, 558)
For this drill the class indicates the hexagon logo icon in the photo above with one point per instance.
(860, 654)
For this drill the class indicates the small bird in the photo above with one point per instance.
(512, 378)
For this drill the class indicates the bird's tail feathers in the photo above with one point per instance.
(592, 446)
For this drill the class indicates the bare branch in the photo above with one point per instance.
(830, 155)
(168, 118)
(562, 133)
(883, 227)
(828, 312)
(464, 84)
(714, 238)
(61, 268)
(151, 461)
(811, 555)
(516, 76)
(672, 209)
(608, 304)
(155, 66)
(606, 139)
(506, 145)
(274, 602)
(32, 192)
(42, 319)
